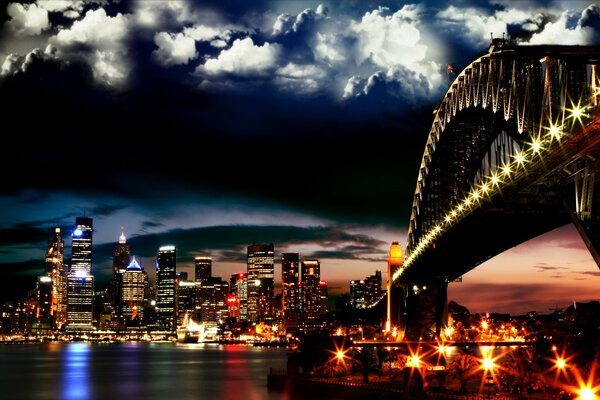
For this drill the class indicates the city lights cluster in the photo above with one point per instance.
(553, 133)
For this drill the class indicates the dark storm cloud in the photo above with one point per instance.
(105, 210)
(22, 235)
(203, 143)
(22, 277)
(195, 241)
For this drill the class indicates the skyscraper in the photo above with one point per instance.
(261, 274)
(202, 268)
(166, 265)
(310, 289)
(134, 285)
(238, 286)
(80, 285)
(56, 270)
(121, 254)
(290, 271)
(121, 260)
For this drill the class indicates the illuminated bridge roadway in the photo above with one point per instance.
(512, 153)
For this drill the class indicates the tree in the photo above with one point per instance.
(364, 360)
(462, 368)
(523, 369)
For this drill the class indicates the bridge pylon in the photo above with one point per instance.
(425, 312)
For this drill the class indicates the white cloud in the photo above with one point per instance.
(286, 23)
(559, 32)
(283, 24)
(11, 64)
(304, 79)
(27, 19)
(328, 47)
(217, 36)
(15, 63)
(388, 40)
(56, 5)
(243, 58)
(476, 27)
(105, 36)
(152, 14)
(174, 49)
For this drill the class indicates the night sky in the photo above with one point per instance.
(212, 125)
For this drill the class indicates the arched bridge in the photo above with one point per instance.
(512, 153)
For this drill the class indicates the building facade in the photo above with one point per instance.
(58, 273)
(135, 282)
(290, 271)
(261, 285)
(166, 266)
(202, 268)
(310, 289)
(80, 285)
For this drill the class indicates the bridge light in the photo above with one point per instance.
(438, 228)
(555, 131)
(448, 218)
(506, 170)
(467, 202)
(485, 188)
(576, 112)
(453, 213)
(475, 195)
(494, 179)
(520, 158)
(460, 208)
(536, 145)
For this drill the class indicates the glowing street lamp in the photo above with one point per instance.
(586, 393)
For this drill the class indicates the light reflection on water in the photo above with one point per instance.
(82, 371)
(74, 380)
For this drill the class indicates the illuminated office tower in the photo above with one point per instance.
(57, 271)
(310, 289)
(373, 289)
(80, 286)
(202, 268)
(44, 299)
(121, 260)
(290, 271)
(121, 254)
(357, 293)
(324, 298)
(134, 286)
(166, 264)
(213, 300)
(261, 274)
(238, 286)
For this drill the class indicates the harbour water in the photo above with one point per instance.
(137, 370)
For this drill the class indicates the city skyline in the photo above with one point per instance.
(164, 120)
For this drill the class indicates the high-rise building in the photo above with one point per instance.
(80, 285)
(261, 285)
(186, 298)
(310, 289)
(57, 271)
(290, 271)
(373, 290)
(134, 285)
(44, 298)
(121, 260)
(166, 265)
(238, 286)
(324, 298)
(121, 254)
(213, 300)
(357, 293)
(202, 268)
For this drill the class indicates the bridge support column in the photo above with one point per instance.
(587, 223)
(426, 310)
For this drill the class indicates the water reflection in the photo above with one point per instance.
(75, 379)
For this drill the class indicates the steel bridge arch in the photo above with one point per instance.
(528, 92)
